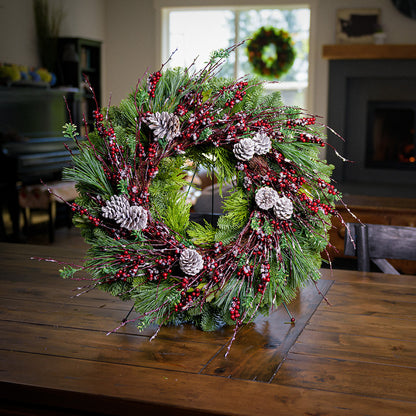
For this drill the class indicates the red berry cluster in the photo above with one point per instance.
(267, 179)
(265, 277)
(98, 117)
(261, 125)
(134, 263)
(217, 275)
(140, 150)
(329, 187)
(82, 211)
(316, 205)
(238, 126)
(289, 181)
(113, 147)
(152, 82)
(235, 309)
(187, 298)
(165, 265)
(246, 270)
(238, 94)
(102, 131)
(218, 247)
(210, 264)
(309, 138)
(181, 110)
(312, 204)
(306, 121)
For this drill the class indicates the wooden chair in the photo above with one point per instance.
(377, 243)
(45, 197)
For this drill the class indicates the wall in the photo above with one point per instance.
(17, 33)
(138, 39)
(131, 35)
(399, 28)
(82, 18)
(130, 45)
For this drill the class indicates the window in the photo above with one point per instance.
(196, 33)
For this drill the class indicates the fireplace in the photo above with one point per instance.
(390, 138)
(372, 105)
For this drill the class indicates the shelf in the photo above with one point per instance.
(79, 57)
(369, 51)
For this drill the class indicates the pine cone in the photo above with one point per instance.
(283, 208)
(244, 149)
(115, 207)
(262, 143)
(266, 197)
(191, 262)
(164, 125)
(135, 220)
(118, 209)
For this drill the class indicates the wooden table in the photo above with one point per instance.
(355, 357)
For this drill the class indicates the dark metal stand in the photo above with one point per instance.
(292, 318)
(128, 314)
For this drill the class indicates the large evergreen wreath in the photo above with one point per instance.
(280, 62)
(133, 212)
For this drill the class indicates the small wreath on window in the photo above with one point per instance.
(280, 62)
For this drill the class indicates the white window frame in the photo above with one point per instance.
(166, 6)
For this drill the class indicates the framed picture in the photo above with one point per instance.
(357, 25)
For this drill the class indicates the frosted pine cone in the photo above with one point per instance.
(118, 209)
(244, 149)
(266, 197)
(191, 262)
(262, 143)
(164, 125)
(136, 219)
(283, 208)
(117, 206)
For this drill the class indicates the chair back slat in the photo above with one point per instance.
(391, 242)
(376, 241)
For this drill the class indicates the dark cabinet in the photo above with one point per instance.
(79, 67)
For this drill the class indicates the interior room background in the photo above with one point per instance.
(131, 35)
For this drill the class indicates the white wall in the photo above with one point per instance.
(130, 45)
(17, 33)
(82, 18)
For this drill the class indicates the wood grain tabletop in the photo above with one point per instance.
(353, 356)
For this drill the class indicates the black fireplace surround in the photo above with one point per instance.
(365, 95)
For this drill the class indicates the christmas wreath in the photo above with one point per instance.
(132, 207)
(271, 66)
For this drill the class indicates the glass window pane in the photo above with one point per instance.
(296, 22)
(198, 33)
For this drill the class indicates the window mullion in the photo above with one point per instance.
(236, 40)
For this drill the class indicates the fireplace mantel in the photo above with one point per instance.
(368, 51)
